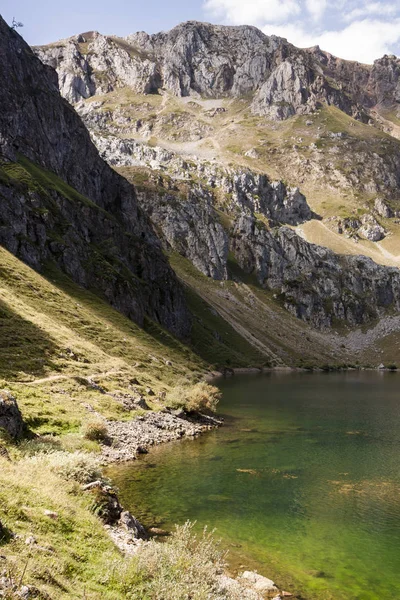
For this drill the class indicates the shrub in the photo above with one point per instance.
(185, 566)
(201, 397)
(95, 431)
(76, 466)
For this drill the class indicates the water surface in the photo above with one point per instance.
(302, 482)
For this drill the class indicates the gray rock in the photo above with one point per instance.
(371, 229)
(10, 416)
(383, 209)
(259, 583)
(69, 228)
(199, 58)
(314, 283)
(134, 526)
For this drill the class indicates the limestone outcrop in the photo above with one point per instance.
(219, 61)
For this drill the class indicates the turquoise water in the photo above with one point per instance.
(302, 482)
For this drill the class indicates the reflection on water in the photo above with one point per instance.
(303, 482)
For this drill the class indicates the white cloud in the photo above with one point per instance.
(353, 29)
(379, 9)
(363, 41)
(316, 8)
(253, 12)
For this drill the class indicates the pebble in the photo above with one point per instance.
(30, 541)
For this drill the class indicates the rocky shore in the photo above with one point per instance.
(127, 439)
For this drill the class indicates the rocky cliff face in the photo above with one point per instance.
(62, 202)
(312, 282)
(238, 189)
(216, 61)
(187, 218)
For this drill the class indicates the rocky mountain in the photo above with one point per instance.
(215, 61)
(61, 202)
(190, 90)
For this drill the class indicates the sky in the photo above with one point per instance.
(352, 29)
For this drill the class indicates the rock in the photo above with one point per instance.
(30, 541)
(53, 136)
(130, 438)
(158, 531)
(106, 504)
(51, 514)
(371, 229)
(286, 92)
(252, 153)
(92, 485)
(134, 526)
(4, 453)
(383, 209)
(196, 59)
(10, 416)
(25, 592)
(236, 589)
(259, 583)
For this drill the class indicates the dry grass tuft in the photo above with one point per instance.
(201, 397)
(95, 430)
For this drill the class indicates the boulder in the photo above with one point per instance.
(232, 588)
(259, 583)
(10, 416)
(134, 526)
(371, 229)
(252, 153)
(105, 503)
(383, 209)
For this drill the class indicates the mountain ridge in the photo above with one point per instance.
(196, 57)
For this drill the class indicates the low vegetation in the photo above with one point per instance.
(95, 430)
(185, 566)
(201, 397)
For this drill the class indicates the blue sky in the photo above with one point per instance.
(353, 29)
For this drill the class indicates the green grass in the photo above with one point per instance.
(47, 180)
(216, 341)
(213, 338)
(73, 553)
(53, 328)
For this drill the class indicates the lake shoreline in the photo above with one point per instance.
(128, 439)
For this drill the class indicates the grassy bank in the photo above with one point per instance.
(65, 354)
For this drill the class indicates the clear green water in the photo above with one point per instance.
(319, 511)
